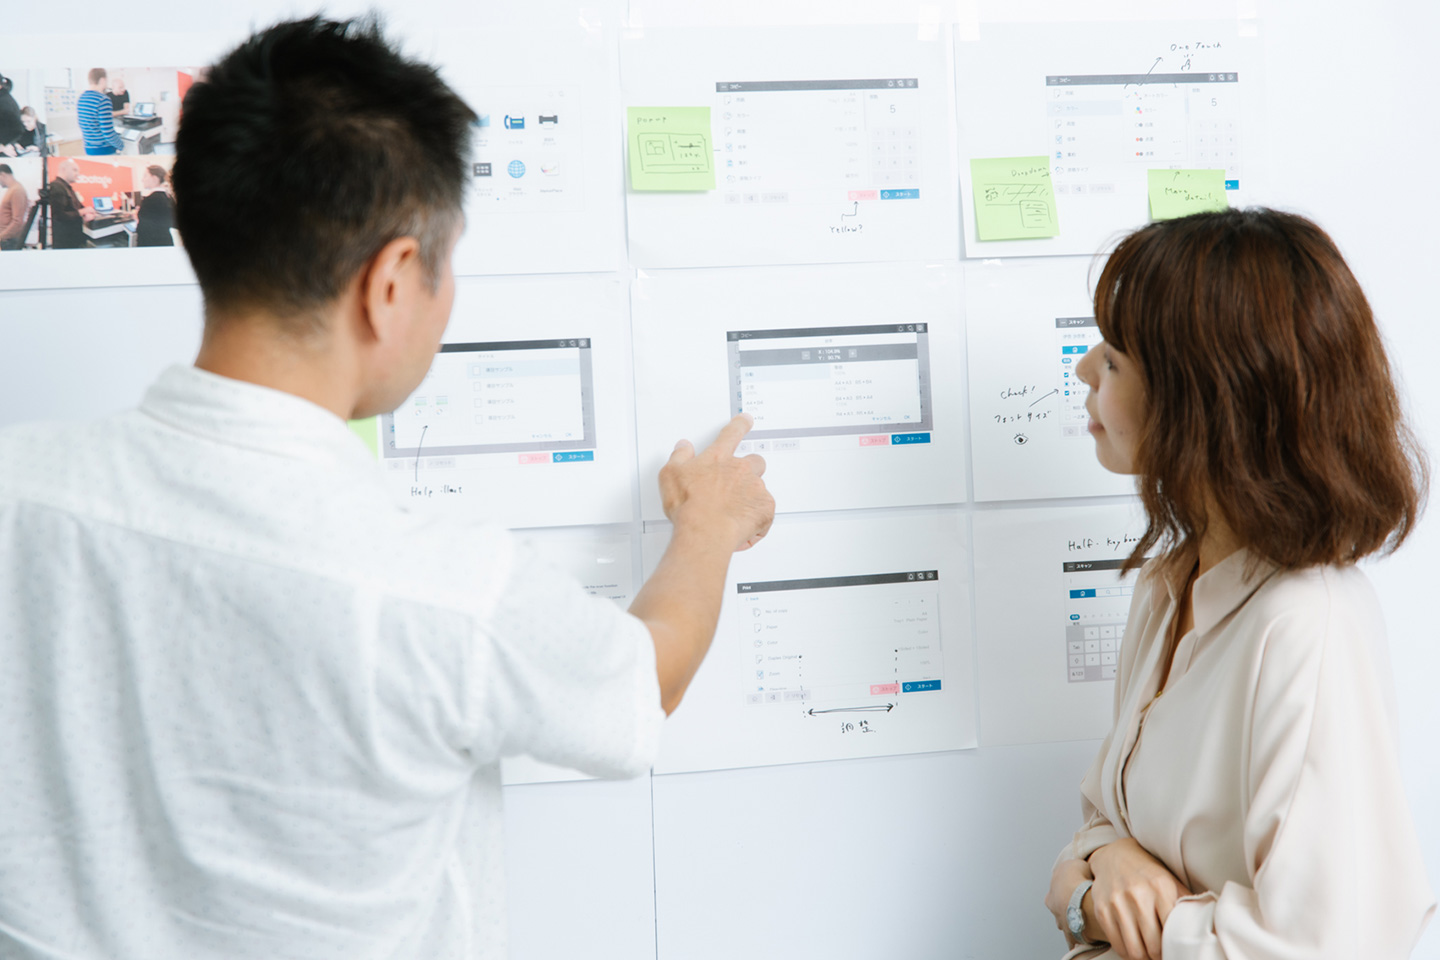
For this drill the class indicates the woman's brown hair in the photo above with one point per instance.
(1269, 395)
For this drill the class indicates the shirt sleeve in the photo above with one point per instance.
(571, 678)
(1331, 851)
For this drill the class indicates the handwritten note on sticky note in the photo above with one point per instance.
(1179, 193)
(369, 431)
(1014, 199)
(670, 148)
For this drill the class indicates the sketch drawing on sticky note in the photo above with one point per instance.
(674, 153)
(670, 148)
(1014, 198)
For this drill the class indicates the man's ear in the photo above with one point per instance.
(387, 285)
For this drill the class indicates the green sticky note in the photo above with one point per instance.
(671, 148)
(369, 431)
(1014, 199)
(1179, 193)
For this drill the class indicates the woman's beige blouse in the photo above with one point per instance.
(1265, 777)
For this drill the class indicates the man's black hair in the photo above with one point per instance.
(302, 153)
(5, 168)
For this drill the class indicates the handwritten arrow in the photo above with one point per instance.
(1147, 72)
(852, 213)
(417, 451)
(1050, 394)
(869, 708)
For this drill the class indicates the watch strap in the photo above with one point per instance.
(1075, 913)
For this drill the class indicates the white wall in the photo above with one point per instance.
(944, 855)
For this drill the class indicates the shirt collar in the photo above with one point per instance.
(248, 415)
(1222, 589)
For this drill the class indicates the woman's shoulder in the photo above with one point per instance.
(1314, 593)
(1295, 615)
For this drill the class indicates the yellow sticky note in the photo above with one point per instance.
(369, 431)
(1179, 193)
(670, 148)
(1014, 199)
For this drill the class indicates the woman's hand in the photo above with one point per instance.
(1132, 897)
(1067, 875)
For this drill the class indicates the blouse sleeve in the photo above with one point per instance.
(1331, 851)
(1096, 832)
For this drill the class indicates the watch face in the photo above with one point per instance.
(1076, 920)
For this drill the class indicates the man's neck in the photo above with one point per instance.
(256, 349)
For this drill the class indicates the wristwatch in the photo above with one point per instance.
(1075, 915)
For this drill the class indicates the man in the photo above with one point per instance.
(10, 126)
(250, 708)
(119, 97)
(14, 206)
(96, 119)
(68, 212)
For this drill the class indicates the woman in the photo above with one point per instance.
(157, 210)
(1247, 802)
(32, 135)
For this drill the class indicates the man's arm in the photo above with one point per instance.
(11, 222)
(107, 124)
(718, 504)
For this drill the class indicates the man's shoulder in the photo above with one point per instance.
(338, 521)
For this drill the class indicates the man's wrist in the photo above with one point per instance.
(715, 531)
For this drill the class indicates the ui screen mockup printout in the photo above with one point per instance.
(839, 372)
(844, 637)
(1105, 104)
(802, 384)
(1051, 607)
(1029, 323)
(525, 415)
(823, 150)
(533, 398)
